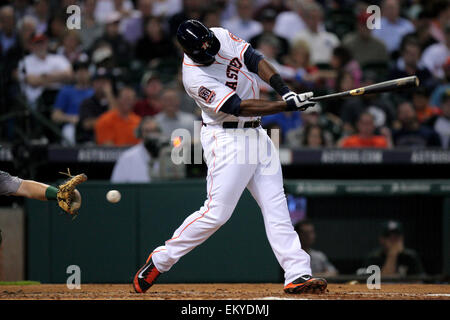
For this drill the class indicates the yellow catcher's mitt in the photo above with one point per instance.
(69, 199)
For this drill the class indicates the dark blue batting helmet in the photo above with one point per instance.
(198, 42)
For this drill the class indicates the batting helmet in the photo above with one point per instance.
(198, 42)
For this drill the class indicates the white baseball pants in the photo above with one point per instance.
(232, 167)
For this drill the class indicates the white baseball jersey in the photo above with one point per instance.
(211, 86)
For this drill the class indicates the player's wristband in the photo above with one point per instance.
(51, 193)
(278, 84)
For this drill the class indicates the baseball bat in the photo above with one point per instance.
(391, 85)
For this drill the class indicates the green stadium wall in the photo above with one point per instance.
(109, 242)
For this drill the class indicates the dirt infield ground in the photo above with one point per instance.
(222, 292)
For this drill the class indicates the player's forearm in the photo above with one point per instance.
(254, 107)
(32, 190)
(266, 70)
(270, 75)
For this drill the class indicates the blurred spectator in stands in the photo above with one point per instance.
(320, 265)
(135, 164)
(287, 121)
(8, 36)
(291, 20)
(11, 52)
(408, 64)
(423, 30)
(307, 74)
(103, 57)
(342, 60)
(167, 8)
(104, 9)
(435, 56)
(392, 257)
(91, 29)
(21, 9)
(10, 48)
(365, 48)
(314, 137)
(316, 127)
(121, 49)
(243, 25)
(27, 29)
(43, 73)
(117, 126)
(379, 105)
(409, 133)
(187, 104)
(393, 27)
(278, 6)
(66, 109)
(71, 46)
(152, 87)
(268, 46)
(442, 16)
(170, 117)
(365, 136)
(41, 12)
(155, 44)
(212, 17)
(440, 90)
(134, 27)
(349, 109)
(57, 29)
(441, 123)
(420, 101)
(267, 18)
(192, 9)
(321, 42)
(90, 109)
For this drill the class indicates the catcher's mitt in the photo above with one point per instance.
(69, 199)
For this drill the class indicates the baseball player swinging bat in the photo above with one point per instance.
(219, 73)
(391, 85)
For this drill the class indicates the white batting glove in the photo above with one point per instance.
(300, 102)
(288, 95)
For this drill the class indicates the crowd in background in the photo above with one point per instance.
(95, 84)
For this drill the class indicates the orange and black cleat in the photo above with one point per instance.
(306, 284)
(145, 277)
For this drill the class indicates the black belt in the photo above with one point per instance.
(234, 124)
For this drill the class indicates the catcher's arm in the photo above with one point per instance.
(33, 190)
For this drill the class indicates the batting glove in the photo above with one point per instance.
(288, 95)
(300, 102)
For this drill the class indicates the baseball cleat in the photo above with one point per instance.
(306, 284)
(145, 277)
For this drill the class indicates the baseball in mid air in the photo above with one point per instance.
(113, 196)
